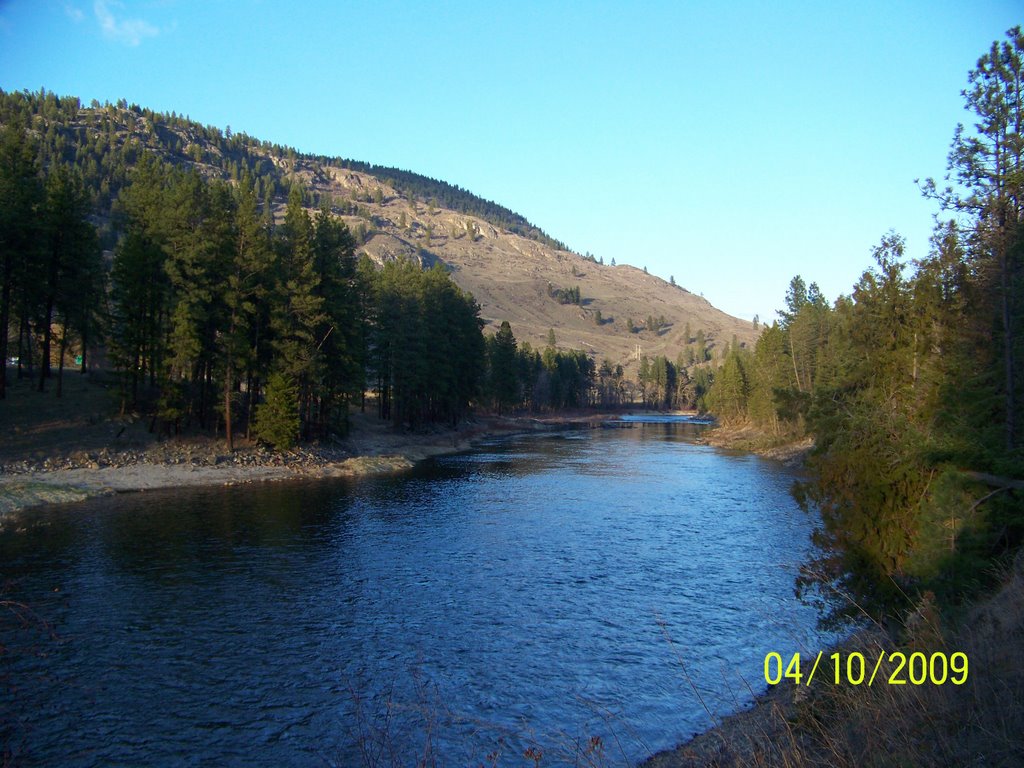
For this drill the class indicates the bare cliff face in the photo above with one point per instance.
(514, 278)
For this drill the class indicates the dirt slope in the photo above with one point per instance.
(511, 276)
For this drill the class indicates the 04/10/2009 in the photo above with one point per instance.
(916, 668)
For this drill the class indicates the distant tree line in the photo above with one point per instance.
(520, 377)
(667, 385)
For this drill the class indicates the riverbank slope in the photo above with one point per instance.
(976, 721)
(791, 449)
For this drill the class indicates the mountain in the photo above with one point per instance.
(514, 270)
(517, 278)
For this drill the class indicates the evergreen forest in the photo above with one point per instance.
(227, 297)
(911, 386)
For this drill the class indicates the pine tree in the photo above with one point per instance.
(988, 169)
(197, 239)
(727, 398)
(769, 381)
(21, 198)
(71, 254)
(700, 344)
(297, 305)
(340, 335)
(504, 379)
(277, 418)
(247, 284)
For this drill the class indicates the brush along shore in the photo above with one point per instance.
(790, 449)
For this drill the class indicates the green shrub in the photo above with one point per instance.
(277, 418)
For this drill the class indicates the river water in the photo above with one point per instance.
(592, 595)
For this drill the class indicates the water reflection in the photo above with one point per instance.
(541, 590)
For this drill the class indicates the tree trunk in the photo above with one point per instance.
(60, 364)
(62, 347)
(249, 400)
(5, 319)
(1011, 405)
(21, 346)
(792, 350)
(44, 353)
(227, 404)
(28, 356)
(135, 377)
(85, 346)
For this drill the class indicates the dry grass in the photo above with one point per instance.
(509, 276)
(978, 723)
(790, 447)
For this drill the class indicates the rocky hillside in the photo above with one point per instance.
(516, 278)
(515, 271)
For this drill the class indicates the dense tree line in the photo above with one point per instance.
(771, 385)
(208, 299)
(520, 377)
(911, 386)
(209, 306)
(50, 264)
(679, 385)
(427, 345)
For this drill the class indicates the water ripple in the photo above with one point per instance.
(541, 591)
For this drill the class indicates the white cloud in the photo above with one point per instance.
(74, 13)
(128, 31)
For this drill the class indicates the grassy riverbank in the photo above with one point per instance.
(789, 448)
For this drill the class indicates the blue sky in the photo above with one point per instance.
(731, 146)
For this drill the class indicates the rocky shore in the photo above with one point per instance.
(372, 447)
(117, 455)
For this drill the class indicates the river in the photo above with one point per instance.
(592, 595)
